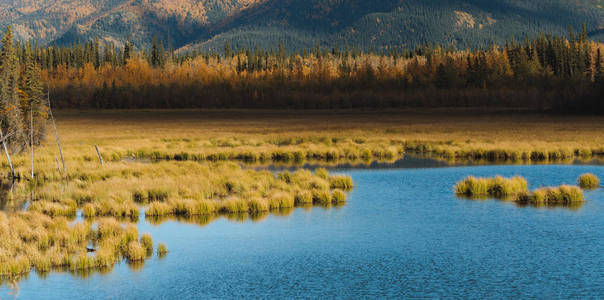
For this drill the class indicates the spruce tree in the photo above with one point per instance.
(10, 117)
(599, 68)
(155, 59)
(33, 108)
(127, 52)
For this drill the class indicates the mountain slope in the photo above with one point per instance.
(395, 23)
(382, 24)
(66, 21)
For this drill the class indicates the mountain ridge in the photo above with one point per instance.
(384, 24)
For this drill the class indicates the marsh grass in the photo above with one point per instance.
(338, 196)
(303, 197)
(341, 182)
(497, 187)
(589, 181)
(135, 251)
(515, 189)
(564, 195)
(162, 250)
(146, 241)
(193, 182)
(31, 240)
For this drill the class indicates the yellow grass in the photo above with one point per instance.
(33, 240)
(218, 135)
(180, 187)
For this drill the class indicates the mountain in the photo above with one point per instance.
(64, 21)
(378, 24)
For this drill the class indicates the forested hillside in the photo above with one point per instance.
(381, 25)
(367, 25)
(546, 73)
(176, 22)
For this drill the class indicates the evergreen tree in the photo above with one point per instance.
(10, 117)
(32, 102)
(227, 50)
(127, 52)
(599, 67)
(155, 55)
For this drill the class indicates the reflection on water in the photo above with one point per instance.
(8, 202)
(136, 266)
(414, 161)
(402, 234)
(511, 199)
(203, 220)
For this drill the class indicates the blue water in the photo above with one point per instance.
(402, 234)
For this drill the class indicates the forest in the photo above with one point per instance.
(23, 104)
(546, 73)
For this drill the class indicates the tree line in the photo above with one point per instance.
(544, 73)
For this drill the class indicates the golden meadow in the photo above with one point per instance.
(196, 166)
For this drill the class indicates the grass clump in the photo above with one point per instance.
(303, 198)
(322, 173)
(341, 182)
(135, 252)
(162, 250)
(281, 200)
(552, 196)
(234, 206)
(497, 187)
(157, 209)
(589, 181)
(258, 205)
(32, 240)
(321, 197)
(338, 196)
(147, 242)
(515, 189)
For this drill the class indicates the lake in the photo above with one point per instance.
(403, 233)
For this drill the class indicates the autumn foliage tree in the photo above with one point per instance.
(545, 73)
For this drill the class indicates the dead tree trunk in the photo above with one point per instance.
(10, 163)
(99, 154)
(54, 124)
(31, 137)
